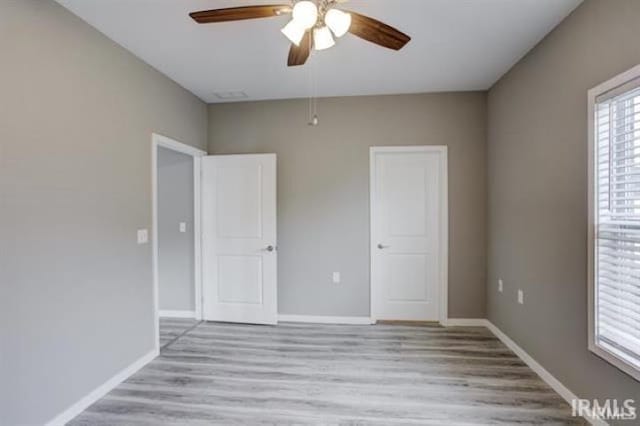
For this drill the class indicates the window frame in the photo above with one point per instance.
(624, 79)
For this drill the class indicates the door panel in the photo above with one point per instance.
(403, 272)
(240, 279)
(407, 237)
(239, 201)
(407, 199)
(239, 238)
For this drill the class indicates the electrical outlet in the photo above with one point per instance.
(500, 285)
(143, 236)
(336, 277)
(521, 297)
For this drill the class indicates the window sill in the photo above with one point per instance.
(617, 359)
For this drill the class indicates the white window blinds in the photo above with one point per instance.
(617, 224)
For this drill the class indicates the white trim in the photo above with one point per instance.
(590, 217)
(197, 233)
(444, 238)
(165, 142)
(444, 222)
(177, 314)
(326, 319)
(77, 408)
(532, 363)
(592, 95)
(555, 384)
(177, 146)
(465, 322)
(615, 82)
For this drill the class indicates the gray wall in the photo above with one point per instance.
(175, 248)
(76, 117)
(537, 163)
(323, 189)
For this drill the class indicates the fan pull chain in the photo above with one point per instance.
(313, 87)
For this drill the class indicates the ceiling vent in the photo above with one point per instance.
(227, 96)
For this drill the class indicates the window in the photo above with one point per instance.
(614, 226)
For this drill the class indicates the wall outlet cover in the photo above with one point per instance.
(183, 227)
(143, 236)
(500, 285)
(521, 297)
(336, 277)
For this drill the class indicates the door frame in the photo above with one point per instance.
(444, 222)
(158, 141)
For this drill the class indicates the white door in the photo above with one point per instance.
(408, 226)
(239, 258)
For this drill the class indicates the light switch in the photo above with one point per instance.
(143, 236)
(183, 227)
(521, 297)
(336, 277)
(500, 285)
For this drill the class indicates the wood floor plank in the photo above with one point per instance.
(172, 328)
(390, 374)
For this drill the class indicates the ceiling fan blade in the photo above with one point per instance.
(240, 13)
(377, 32)
(298, 55)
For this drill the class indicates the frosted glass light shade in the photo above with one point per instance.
(338, 21)
(322, 38)
(305, 13)
(294, 32)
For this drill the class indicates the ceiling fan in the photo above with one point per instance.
(313, 24)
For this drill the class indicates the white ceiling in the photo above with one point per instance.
(456, 45)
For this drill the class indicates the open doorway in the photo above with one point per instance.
(176, 238)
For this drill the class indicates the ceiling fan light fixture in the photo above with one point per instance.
(305, 13)
(318, 16)
(322, 38)
(338, 21)
(294, 32)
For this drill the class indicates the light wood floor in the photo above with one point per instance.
(332, 375)
(172, 328)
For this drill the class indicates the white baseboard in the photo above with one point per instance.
(326, 320)
(540, 370)
(177, 314)
(465, 322)
(77, 408)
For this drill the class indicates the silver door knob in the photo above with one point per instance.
(380, 246)
(270, 248)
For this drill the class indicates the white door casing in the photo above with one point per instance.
(158, 141)
(239, 238)
(409, 233)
